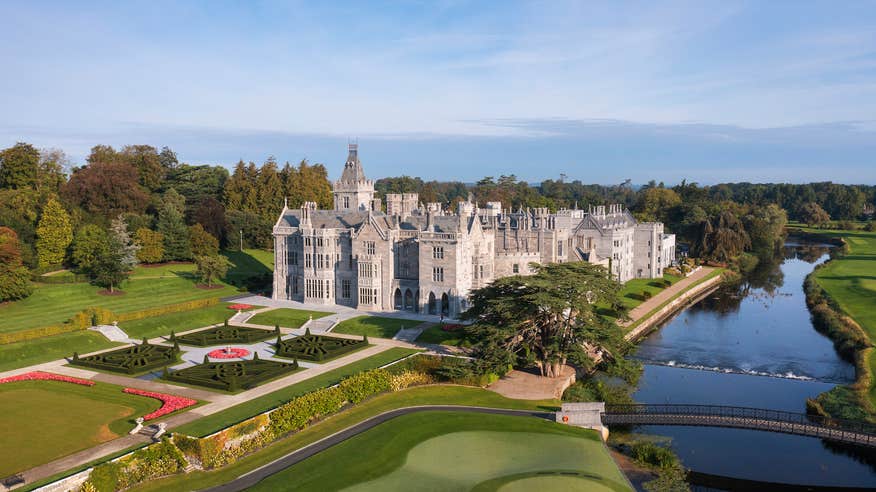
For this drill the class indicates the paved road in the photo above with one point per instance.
(280, 464)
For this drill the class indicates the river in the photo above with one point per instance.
(751, 345)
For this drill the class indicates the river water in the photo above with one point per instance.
(751, 345)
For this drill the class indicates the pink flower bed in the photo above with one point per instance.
(45, 376)
(169, 403)
(233, 353)
(239, 307)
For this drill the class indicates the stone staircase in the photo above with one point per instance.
(153, 431)
(322, 325)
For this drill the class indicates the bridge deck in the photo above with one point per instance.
(858, 433)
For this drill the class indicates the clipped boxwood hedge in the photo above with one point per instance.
(231, 376)
(131, 360)
(317, 347)
(224, 335)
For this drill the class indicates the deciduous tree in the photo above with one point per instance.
(202, 242)
(54, 234)
(813, 215)
(151, 244)
(14, 276)
(106, 189)
(18, 166)
(211, 268)
(89, 244)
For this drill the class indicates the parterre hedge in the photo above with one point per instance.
(231, 376)
(317, 347)
(223, 335)
(130, 360)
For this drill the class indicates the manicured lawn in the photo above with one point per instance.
(45, 420)
(30, 352)
(436, 335)
(716, 272)
(632, 290)
(148, 287)
(457, 451)
(177, 322)
(243, 411)
(286, 318)
(849, 281)
(374, 326)
(424, 395)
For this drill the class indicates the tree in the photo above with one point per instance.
(120, 256)
(50, 170)
(813, 215)
(167, 158)
(106, 189)
(18, 166)
(151, 244)
(145, 159)
(547, 318)
(210, 268)
(270, 191)
(14, 276)
(54, 234)
(766, 228)
(654, 204)
(173, 226)
(211, 215)
(89, 244)
(728, 238)
(202, 242)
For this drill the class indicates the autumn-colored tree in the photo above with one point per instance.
(210, 268)
(54, 234)
(813, 215)
(106, 189)
(202, 242)
(151, 245)
(18, 166)
(14, 277)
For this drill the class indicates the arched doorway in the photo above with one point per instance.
(445, 304)
(409, 300)
(397, 299)
(433, 309)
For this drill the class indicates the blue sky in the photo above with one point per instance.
(599, 91)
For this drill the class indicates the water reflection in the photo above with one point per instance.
(758, 326)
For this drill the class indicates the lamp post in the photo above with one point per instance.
(241, 240)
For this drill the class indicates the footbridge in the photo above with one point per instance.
(845, 431)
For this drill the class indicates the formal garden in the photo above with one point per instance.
(135, 359)
(318, 348)
(231, 376)
(224, 335)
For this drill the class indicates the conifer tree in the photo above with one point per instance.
(54, 234)
(171, 223)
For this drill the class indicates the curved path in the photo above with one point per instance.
(301, 454)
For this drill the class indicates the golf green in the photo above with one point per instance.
(444, 451)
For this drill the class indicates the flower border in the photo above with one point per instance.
(46, 376)
(169, 403)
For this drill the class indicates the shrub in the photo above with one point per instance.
(646, 294)
(232, 376)
(155, 461)
(407, 379)
(651, 454)
(130, 360)
(173, 308)
(224, 335)
(317, 347)
(360, 386)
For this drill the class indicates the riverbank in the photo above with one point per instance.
(841, 295)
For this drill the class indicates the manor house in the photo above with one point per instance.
(427, 259)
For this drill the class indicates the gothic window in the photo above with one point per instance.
(307, 241)
(346, 202)
(559, 248)
(438, 252)
(307, 262)
(369, 247)
(292, 257)
(515, 268)
(437, 274)
(295, 285)
(345, 289)
(319, 242)
(481, 267)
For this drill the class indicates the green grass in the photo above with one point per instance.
(286, 318)
(243, 411)
(849, 281)
(716, 272)
(148, 287)
(423, 448)
(374, 326)
(425, 395)
(63, 418)
(178, 322)
(631, 290)
(30, 352)
(435, 335)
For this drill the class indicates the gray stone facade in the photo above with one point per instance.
(427, 259)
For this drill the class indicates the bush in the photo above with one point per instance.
(151, 462)
(317, 347)
(130, 360)
(407, 379)
(173, 308)
(646, 294)
(650, 454)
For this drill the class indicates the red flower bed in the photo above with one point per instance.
(451, 327)
(232, 353)
(45, 376)
(169, 403)
(239, 307)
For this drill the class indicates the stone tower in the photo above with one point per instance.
(353, 191)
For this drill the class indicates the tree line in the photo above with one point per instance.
(137, 204)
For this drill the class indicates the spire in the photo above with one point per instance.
(353, 172)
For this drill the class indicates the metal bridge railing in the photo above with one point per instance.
(757, 418)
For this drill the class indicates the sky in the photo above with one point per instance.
(706, 91)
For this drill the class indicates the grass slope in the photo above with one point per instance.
(849, 281)
(374, 326)
(285, 317)
(421, 448)
(243, 411)
(424, 395)
(63, 417)
(177, 322)
(28, 353)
